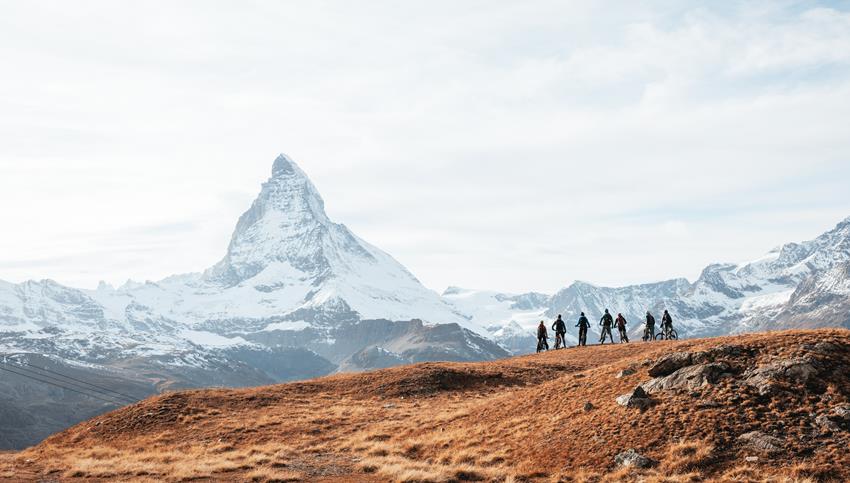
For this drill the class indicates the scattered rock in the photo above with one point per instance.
(824, 348)
(762, 442)
(671, 363)
(588, 406)
(688, 378)
(842, 412)
(766, 378)
(631, 458)
(636, 399)
(752, 459)
(836, 420)
(709, 404)
(625, 373)
(389, 406)
(728, 350)
(826, 424)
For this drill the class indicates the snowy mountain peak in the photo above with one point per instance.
(283, 164)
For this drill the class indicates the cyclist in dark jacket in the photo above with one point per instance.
(542, 337)
(621, 327)
(649, 331)
(560, 329)
(666, 323)
(606, 322)
(583, 324)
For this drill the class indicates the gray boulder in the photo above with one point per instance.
(631, 458)
(838, 419)
(841, 412)
(727, 350)
(688, 378)
(826, 424)
(766, 378)
(637, 399)
(625, 373)
(760, 441)
(671, 363)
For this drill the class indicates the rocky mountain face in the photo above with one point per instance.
(296, 296)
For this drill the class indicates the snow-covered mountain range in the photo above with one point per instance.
(798, 285)
(297, 295)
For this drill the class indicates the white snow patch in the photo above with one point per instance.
(287, 325)
(208, 339)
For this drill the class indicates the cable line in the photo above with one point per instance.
(72, 384)
(58, 385)
(104, 389)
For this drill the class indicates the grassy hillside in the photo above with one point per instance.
(762, 407)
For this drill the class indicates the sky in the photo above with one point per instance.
(501, 145)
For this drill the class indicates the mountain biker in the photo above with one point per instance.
(621, 327)
(666, 322)
(542, 337)
(560, 329)
(583, 324)
(649, 331)
(606, 322)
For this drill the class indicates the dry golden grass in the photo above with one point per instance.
(687, 456)
(516, 420)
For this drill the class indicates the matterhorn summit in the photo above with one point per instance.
(286, 248)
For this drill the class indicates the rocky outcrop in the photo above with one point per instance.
(762, 442)
(837, 419)
(632, 459)
(768, 378)
(671, 363)
(637, 399)
(688, 378)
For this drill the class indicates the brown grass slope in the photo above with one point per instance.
(520, 419)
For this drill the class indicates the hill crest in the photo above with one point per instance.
(753, 407)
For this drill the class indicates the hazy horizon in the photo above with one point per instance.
(513, 147)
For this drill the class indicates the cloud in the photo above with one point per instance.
(509, 145)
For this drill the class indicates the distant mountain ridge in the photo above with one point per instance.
(799, 285)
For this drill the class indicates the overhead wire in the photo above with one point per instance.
(94, 387)
(84, 393)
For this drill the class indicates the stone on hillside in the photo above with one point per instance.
(826, 424)
(766, 378)
(842, 412)
(638, 399)
(688, 378)
(625, 373)
(631, 458)
(588, 406)
(727, 350)
(762, 442)
(671, 363)
(823, 348)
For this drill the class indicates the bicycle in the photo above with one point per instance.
(669, 334)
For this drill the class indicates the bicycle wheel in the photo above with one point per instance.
(659, 336)
(674, 335)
